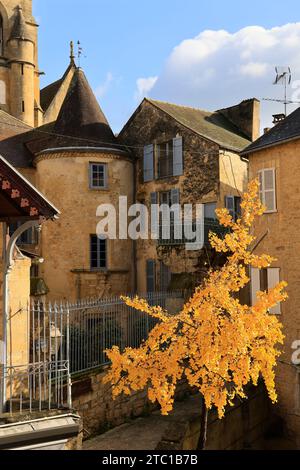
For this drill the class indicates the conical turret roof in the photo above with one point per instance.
(20, 27)
(82, 118)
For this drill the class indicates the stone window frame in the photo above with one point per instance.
(105, 176)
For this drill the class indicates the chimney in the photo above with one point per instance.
(278, 118)
(245, 116)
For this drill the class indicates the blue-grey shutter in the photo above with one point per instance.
(148, 163)
(175, 196)
(177, 156)
(154, 198)
(151, 275)
(230, 206)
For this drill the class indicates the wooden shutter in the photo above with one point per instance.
(175, 196)
(267, 178)
(177, 156)
(154, 198)
(230, 206)
(148, 163)
(255, 284)
(237, 205)
(273, 280)
(151, 275)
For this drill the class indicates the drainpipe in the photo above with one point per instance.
(4, 327)
(8, 250)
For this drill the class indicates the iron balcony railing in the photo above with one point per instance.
(175, 234)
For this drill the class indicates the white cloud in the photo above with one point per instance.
(144, 86)
(103, 88)
(217, 68)
(254, 69)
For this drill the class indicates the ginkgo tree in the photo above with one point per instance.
(216, 342)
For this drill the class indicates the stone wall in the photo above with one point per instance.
(209, 175)
(65, 244)
(282, 241)
(243, 427)
(92, 399)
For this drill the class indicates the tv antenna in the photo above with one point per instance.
(283, 77)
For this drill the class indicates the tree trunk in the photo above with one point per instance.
(203, 429)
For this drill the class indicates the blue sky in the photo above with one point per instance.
(126, 40)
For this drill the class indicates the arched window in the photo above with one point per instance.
(1, 36)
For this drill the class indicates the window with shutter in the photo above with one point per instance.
(210, 210)
(177, 156)
(263, 280)
(148, 163)
(151, 275)
(165, 277)
(175, 196)
(233, 205)
(267, 189)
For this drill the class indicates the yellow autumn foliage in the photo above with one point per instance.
(217, 343)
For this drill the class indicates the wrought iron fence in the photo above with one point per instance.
(37, 387)
(82, 331)
(66, 339)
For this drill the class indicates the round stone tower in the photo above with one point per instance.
(80, 167)
(19, 74)
(22, 70)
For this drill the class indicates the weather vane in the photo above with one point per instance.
(79, 52)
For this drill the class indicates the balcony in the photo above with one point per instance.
(177, 233)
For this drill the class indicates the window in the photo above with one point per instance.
(165, 159)
(267, 190)
(263, 280)
(98, 176)
(210, 210)
(165, 277)
(30, 237)
(98, 247)
(169, 159)
(151, 275)
(233, 205)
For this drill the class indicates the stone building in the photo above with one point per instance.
(187, 156)
(273, 159)
(59, 138)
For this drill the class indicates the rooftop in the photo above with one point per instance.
(283, 131)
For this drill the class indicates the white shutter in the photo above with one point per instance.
(177, 156)
(255, 284)
(267, 179)
(273, 280)
(148, 163)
